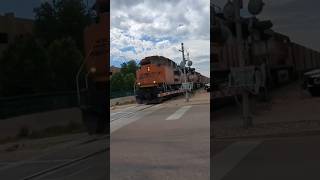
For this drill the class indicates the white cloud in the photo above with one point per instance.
(145, 28)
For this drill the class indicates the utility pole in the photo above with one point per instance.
(183, 63)
(245, 97)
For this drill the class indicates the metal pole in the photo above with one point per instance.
(185, 71)
(77, 83)
(134, 88)
(245, 98)
(86, 78)
(78, 76)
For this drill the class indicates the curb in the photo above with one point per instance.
(275, 135)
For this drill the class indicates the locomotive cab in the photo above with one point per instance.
(156, 75)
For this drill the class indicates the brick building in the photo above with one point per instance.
(12, 27)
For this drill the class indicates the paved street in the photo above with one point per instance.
(73, 157)
(163, 141)
(278, 158)
(167, 141)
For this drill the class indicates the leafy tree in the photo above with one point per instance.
(61, 19)
(24, 68)
(129, 80)
(123, 81)
(129, 67)
(49, 59)
(65, 60)
(132, 67)
(116, 82)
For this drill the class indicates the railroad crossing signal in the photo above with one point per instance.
(255, 6)
(242, 77)
(187, 86)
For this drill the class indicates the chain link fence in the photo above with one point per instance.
(20, 105)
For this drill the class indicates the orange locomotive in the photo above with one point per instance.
(159, 77)
(96, 63)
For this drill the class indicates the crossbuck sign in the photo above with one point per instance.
(187, 86)
(242, 77)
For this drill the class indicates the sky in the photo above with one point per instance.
(140, 28)
(23, 8)
(144, 28)
(299, 19)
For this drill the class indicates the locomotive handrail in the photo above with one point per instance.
(78, 75)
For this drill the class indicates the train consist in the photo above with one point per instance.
(282, 59)
(93, 98)
(159, 78)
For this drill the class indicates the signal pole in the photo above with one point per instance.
(245, 97)
(183, 63)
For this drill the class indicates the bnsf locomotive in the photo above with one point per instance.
(94, 97)
(159, 78)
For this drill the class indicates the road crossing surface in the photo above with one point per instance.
(161, 142)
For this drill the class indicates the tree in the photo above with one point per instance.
(64, 59)
(124, 68)
(61, 19)
(129, 67)
(129, 80)
(132, 67)
(24, 68)
(122, 82)
(116, 82)
(49, 59)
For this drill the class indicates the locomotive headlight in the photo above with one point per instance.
(139, 83)
(148, 69)
(93, 69)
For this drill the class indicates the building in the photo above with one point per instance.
(12, 27)
(114, 70)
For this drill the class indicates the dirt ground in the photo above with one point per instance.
(290, 110)
(39, 121)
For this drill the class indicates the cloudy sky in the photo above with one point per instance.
(143, 28)
(158, 27)
(25, 8)
(299, 19)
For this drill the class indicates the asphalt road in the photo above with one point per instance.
(292, 158)
(161, 142)
(81, 159)
(164, 141)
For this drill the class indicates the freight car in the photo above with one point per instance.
(284, 60)
(159, 78)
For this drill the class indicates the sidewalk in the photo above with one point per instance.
(290, 112)
(199, 97)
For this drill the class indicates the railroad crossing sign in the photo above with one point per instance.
(242, 77)
(187, 86)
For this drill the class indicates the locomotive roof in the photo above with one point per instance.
(156, 59)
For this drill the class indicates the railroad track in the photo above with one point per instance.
(64, 165)
(55, 169)
(129, 113)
